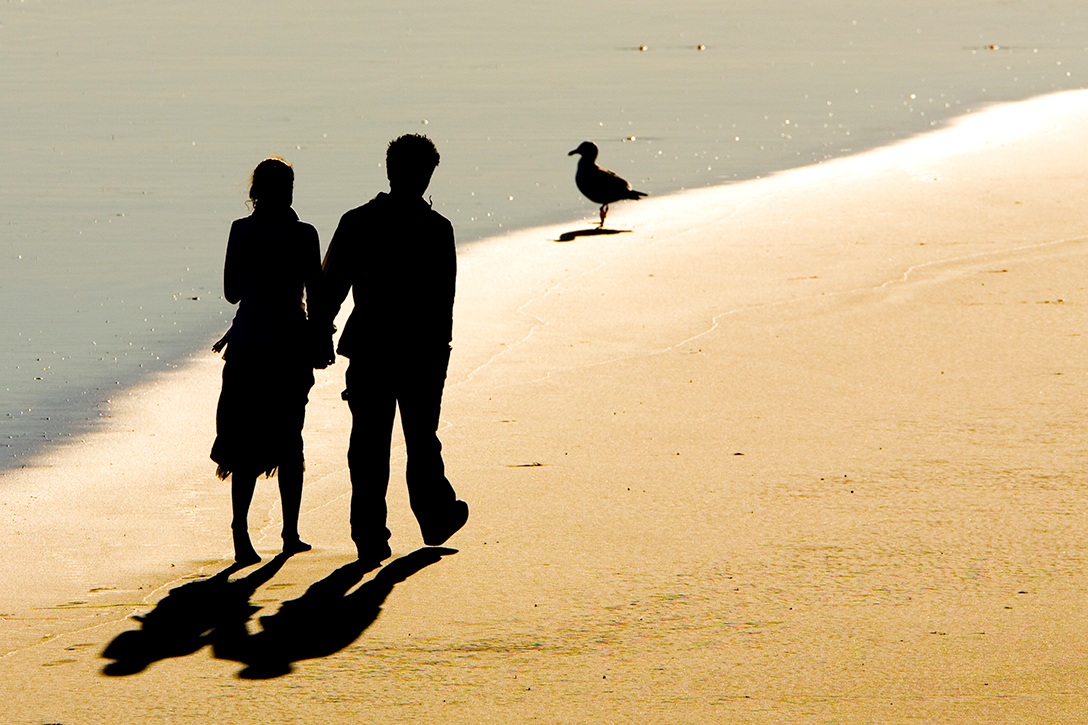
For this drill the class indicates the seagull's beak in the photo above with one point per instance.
(573, 152)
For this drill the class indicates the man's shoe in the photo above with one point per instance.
(295, 546)
(374, 553)
(439, 530)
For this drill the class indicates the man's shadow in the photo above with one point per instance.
(187, 618)
(323, 621)
(594, 232)
(214, 611)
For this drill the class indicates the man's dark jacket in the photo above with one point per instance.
(398, 257)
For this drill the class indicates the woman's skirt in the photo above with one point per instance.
(261, 411)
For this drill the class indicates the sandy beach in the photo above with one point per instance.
(806, 448)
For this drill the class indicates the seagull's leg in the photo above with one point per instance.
(604, 213)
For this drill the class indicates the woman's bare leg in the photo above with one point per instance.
(241, 495)
(290, 480)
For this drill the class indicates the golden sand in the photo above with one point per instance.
(802, 449)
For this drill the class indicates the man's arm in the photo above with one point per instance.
(450, 274)
(320, 334)
(336, 271)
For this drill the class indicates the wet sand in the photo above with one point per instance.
(801, 449)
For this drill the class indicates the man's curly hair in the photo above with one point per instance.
(411, 153)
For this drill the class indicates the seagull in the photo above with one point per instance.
(600, 185)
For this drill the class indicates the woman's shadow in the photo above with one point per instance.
(186, 619)
(214, 611)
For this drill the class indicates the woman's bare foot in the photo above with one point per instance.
(245, 557)
(244, 553)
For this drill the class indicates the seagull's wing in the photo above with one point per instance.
(604, 187)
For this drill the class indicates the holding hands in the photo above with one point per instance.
(322, 349)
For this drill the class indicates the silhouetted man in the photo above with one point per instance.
(397, 255)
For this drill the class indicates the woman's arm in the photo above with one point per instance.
(315, 302)
(234, 266)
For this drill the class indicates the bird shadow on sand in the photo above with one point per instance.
(594, 232)
(215, 611)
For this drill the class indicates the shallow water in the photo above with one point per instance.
(130, 129)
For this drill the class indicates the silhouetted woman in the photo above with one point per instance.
(272, 257)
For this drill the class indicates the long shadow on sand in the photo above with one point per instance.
(323, 621)
(594, 232)
(214, 611)
(187, 619)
